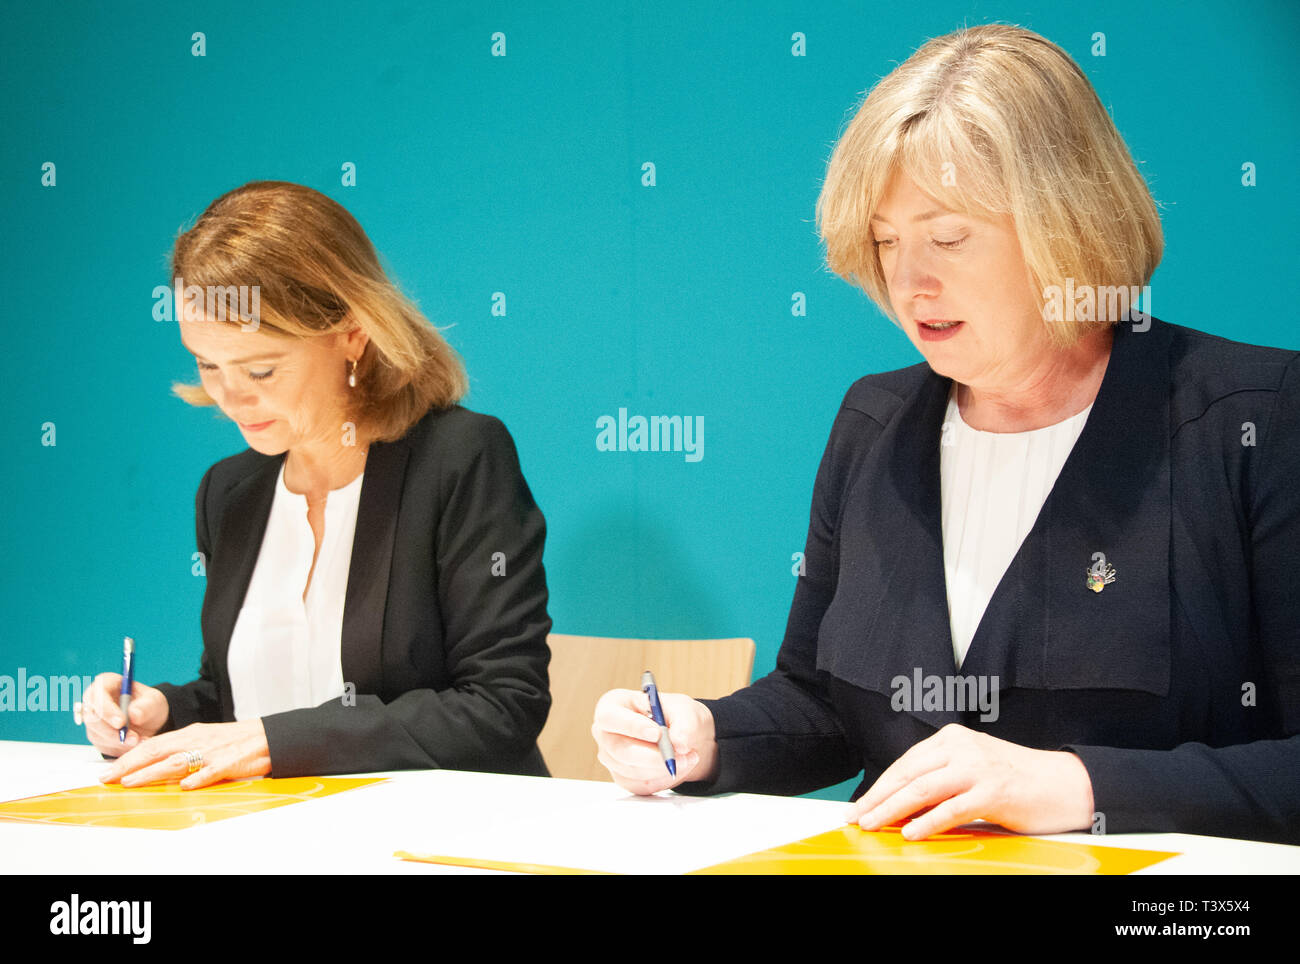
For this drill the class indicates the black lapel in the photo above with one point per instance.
(889, 614)
(239, 541)
(1043, 628)
(372, 560)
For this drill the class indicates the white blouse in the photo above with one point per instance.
(994, 484)
(285, 652)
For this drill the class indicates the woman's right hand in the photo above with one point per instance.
(103, 717)
(627, 740)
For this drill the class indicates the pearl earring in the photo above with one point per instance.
(352, 375)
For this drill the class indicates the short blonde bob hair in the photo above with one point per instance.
(989, 121)
(317, 274)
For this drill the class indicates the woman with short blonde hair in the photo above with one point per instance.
(997, 120)
(1049, 574)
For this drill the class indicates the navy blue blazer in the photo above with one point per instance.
(444, 621)
(1177, 685)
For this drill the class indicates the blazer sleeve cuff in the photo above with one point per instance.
(185, 705)
(1223, 792)
(785, 764)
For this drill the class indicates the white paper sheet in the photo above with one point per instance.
(664, 834)
(35, 769)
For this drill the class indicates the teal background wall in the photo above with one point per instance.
(522, 174)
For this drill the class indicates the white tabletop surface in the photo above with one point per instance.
(562, 822)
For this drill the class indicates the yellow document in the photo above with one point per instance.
(852, 850)
(165, 806)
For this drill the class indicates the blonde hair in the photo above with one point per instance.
(317, 273)
(995, 120)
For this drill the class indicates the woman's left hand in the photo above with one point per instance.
(229, 751)
(960, 775)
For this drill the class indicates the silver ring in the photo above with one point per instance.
(193, 761)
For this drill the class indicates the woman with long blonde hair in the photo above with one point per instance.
(375, 594)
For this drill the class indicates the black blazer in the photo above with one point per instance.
(447, 658)
(1178, 685)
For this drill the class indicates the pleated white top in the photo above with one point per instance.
(285, 652)
(993, 486)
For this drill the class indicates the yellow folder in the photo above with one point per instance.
(851, 850)
(165, 806)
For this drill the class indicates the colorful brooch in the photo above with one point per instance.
(1100, 576)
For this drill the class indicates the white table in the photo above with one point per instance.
(449, 812)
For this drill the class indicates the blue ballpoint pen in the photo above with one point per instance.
(124, 699)
(657, 714)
